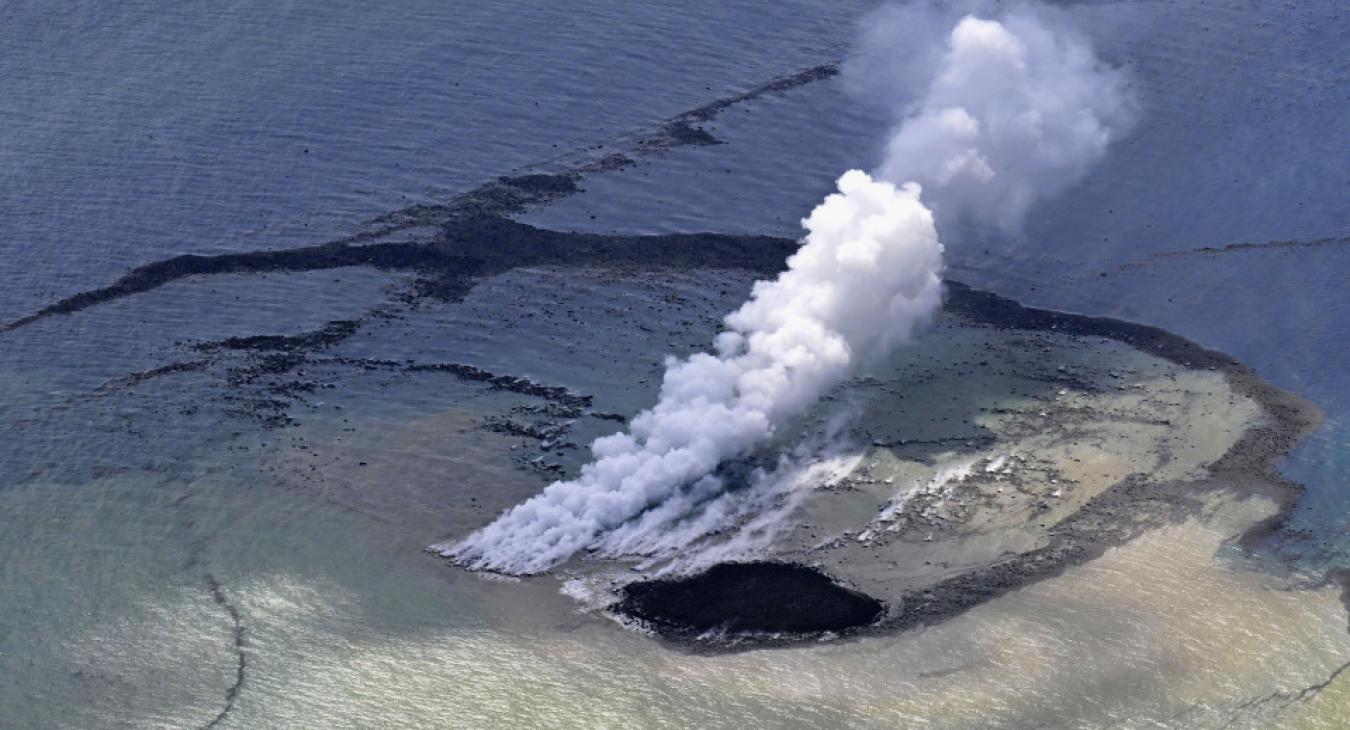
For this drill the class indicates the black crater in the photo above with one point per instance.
(748, 598)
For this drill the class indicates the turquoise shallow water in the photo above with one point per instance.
(150, 129)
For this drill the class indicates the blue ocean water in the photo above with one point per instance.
(138, 130)
(134, 131)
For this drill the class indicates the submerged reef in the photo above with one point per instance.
(1128, 501)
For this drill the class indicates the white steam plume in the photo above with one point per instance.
(1013, 112)
(867, 275)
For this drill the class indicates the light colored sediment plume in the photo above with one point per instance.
(1013, 111)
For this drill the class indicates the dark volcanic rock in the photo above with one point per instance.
(748, 598)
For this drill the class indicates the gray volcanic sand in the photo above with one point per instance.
(984, 441)
(971, 455)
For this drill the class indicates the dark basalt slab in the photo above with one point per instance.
(748, 599)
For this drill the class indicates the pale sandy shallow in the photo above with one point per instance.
(349, 624)
(1153, 633)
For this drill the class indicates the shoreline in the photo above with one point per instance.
(1114, 517)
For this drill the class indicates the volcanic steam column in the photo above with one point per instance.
(1014, 111)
